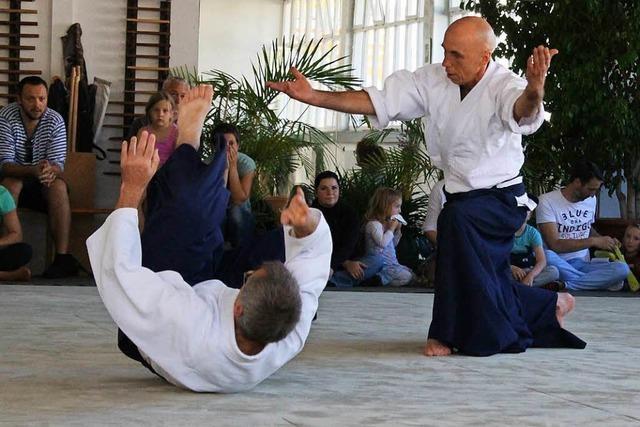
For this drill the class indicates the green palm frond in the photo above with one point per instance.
(278, 145)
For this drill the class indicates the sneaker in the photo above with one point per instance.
(63, 265)
(616, 286)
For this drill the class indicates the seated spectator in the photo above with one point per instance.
(177, 88)
(343, 223)
(33, 150)
(437, 200)
(240, 222)
(160, 114)
(528, 262)
(631, 248)
(565, 219)
(629, 252)
(14, 254)
(382, 234)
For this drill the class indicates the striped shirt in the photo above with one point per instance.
(49, 139)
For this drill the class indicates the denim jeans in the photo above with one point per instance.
(342, 278)
(581, 275)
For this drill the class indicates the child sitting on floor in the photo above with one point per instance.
(160, 111)
(528, 261)
(382, 234)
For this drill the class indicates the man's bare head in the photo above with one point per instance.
(478, 29)
(468, 45)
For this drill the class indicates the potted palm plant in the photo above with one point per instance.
(278, 145)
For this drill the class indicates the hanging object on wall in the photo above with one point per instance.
(12, 56)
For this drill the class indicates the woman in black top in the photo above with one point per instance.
(343, 222)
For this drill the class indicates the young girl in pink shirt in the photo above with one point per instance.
(160, 111)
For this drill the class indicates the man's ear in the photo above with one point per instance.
(237, 309)
(486, 57)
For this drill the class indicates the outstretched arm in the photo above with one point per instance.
(528, 103)
(352, 101)
(308, 256)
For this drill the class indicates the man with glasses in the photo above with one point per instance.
(33, 144)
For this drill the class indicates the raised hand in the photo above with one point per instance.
(298, 216)
(528, 103)
(537, 67)
(139, 161)
(298, 88)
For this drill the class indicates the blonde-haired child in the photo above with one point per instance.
(160, 111)
(382, 234)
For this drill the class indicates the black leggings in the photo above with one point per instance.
(14, 256)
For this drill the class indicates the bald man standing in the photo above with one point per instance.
(474, 112)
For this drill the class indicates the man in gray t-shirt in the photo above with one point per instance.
(565, 219)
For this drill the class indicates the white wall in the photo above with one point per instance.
(232, 32)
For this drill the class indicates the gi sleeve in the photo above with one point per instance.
(434, 207)
(511, 91)
(399, 100)
(308, 259)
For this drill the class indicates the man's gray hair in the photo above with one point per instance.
(174, 79)
(271, 304)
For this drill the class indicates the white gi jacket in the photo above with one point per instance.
(187, 333)
(476, 141)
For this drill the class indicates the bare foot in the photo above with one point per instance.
(436, 348)
(564, 305)
(22, 274)
(193, 110)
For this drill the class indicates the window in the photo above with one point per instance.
(388, 35)
(379, 37)
(455, 12)
(316, 19)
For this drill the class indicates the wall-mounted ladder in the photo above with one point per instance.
(13, 19)
(148, 42)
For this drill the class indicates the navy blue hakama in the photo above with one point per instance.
(479, 309)
(186, 205)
